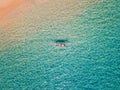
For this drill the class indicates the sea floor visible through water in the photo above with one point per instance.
(90, 59)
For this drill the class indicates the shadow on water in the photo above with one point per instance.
(61, 41)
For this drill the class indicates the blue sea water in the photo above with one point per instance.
(90, 60)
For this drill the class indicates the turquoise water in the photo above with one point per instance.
(90, 60)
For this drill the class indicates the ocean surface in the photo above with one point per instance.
(89, 61)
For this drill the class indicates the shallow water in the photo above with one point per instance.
(90, 60)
